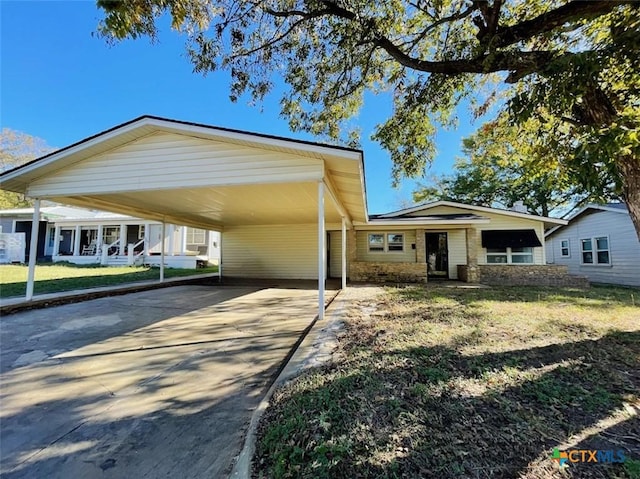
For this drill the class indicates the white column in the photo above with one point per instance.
(146, 240)
(56, 241)
(220, 257)
(183, 246)
(123, 239)
(33, 249)
(344, 253)
(164, 230)
(100, 240)
(172, 233)
(76, 241)
(321, 250)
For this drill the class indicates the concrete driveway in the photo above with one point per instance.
(155, 384)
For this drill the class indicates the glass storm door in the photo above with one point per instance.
(437, 255)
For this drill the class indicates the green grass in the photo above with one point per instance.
(453, 383)
(51, 278)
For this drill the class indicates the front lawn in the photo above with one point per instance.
(466, 383)
(51, 278)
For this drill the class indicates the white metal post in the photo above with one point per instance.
(162, 253)
(321, 250)
(344, 252)
(33, 249)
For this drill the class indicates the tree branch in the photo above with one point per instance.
(574, 10)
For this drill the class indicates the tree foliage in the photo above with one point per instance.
(17, 148)
(578, 60)
(504, 164)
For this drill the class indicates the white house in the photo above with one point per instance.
(83, 236)
(599, 242)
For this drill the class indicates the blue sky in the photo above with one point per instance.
(62, 84)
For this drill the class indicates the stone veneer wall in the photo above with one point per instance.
(529, 275)
(387, 272)
(469, 274)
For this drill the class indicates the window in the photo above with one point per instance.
(376, 242)
(395, 242)
(595, 250)
(522, 255)
(389, 242)
(52, 236)
(516, 255)
(497, 255)
(565, 251)
(195, 236)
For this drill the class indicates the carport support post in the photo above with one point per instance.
(321, 250)
(33, 249)
(162, 253)
(344, 252)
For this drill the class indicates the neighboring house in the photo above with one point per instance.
(285, 208)
(599, 242)
(82, 236)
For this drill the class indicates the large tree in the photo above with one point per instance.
(579, 60)
(17, 148)
(529, 162)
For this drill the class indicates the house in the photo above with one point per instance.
(285, 208)
(448, 240)
(599, 242)
(82, 236)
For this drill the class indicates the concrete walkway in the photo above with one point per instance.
(160, 383)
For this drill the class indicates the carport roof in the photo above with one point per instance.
(198, 175)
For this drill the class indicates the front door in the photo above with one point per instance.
(437, 255)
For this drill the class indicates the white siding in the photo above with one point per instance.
(164, 160)
(624, 247)
(274, 251)
(408, 255)
(498, 222)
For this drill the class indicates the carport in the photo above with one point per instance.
(211, 178)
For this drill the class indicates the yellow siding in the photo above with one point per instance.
(274, 251)
(498, 222)
(457, 244)
(406, 256)
(163, 160)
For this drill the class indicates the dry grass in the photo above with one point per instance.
(439, 382)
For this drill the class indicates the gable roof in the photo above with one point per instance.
(426, 206)
(620, 208)
(341, 168)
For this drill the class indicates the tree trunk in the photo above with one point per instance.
(629, 167)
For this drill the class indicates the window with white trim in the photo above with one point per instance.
(565, 249)
(386, 242)
(595, 250)
(195, 236)
(516, 255)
